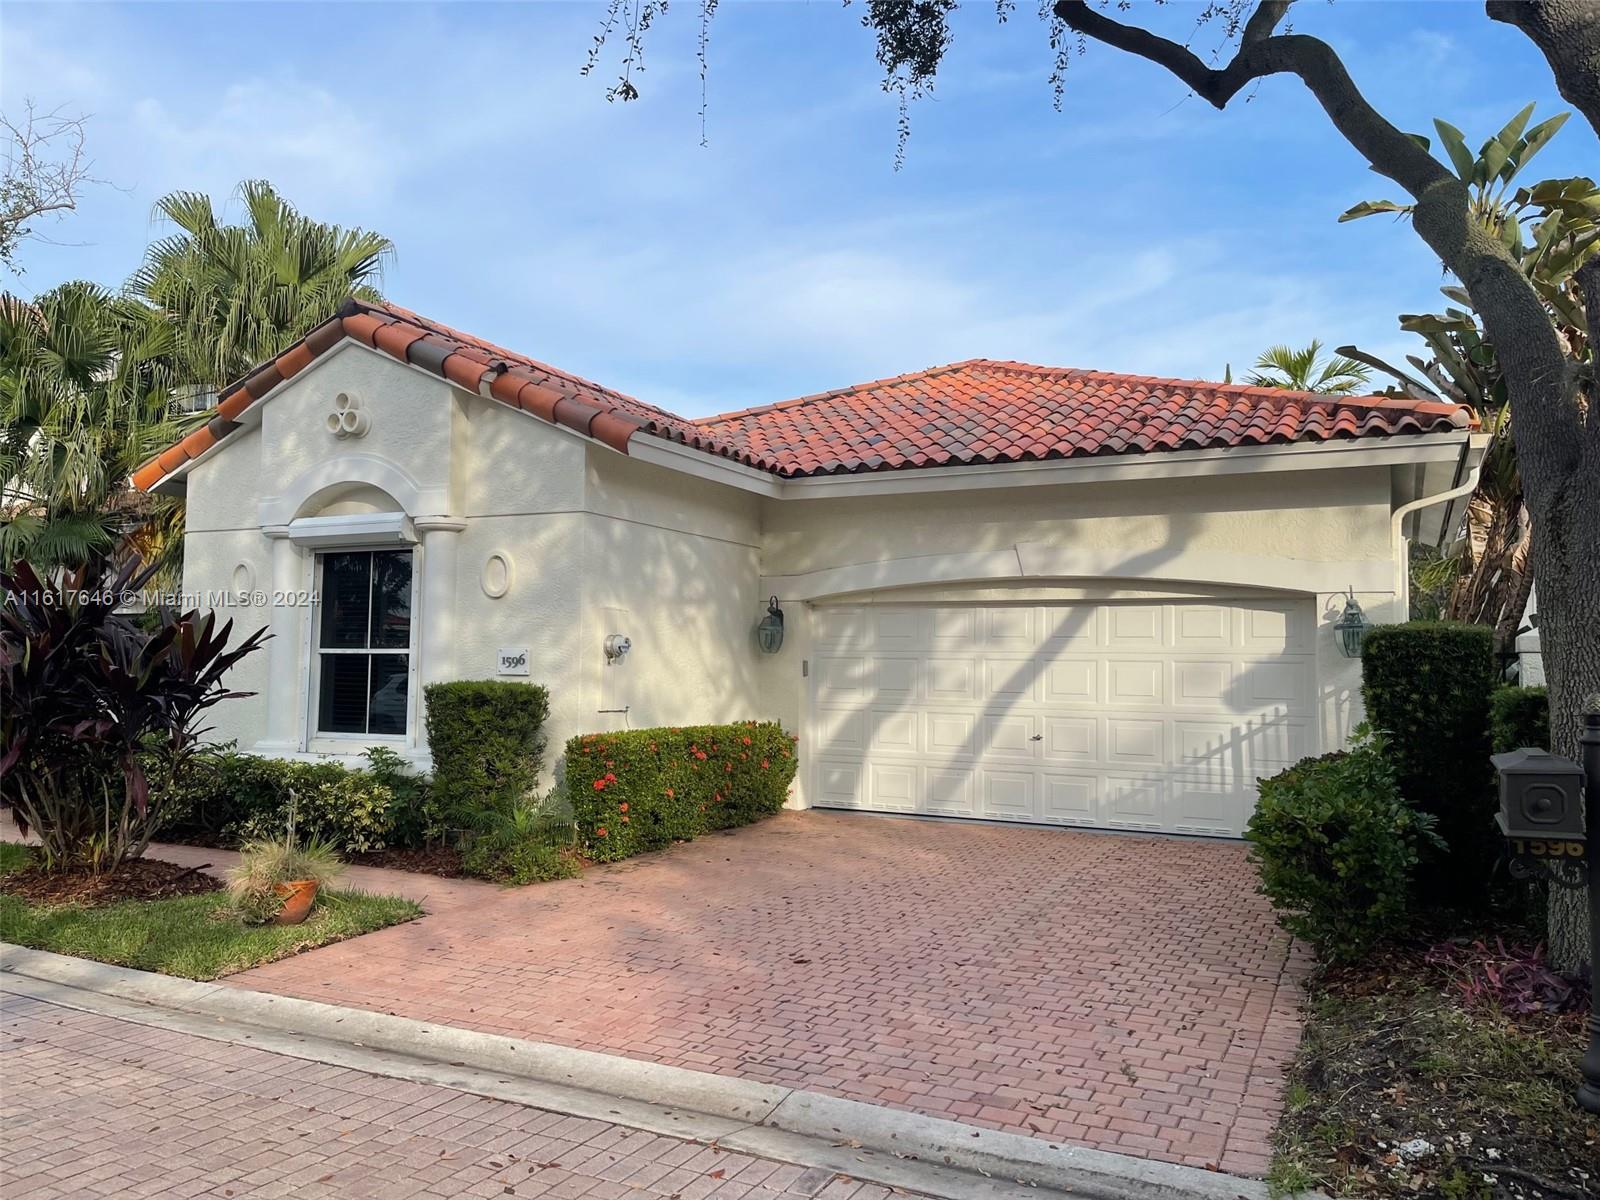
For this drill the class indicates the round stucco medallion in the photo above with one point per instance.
(497, 575)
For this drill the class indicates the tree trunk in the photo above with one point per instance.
(1566, 565)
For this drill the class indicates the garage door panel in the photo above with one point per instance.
(841, 629)
(894, 787)
(843, 676)
(1070, 739)
(897, 629)
(1125, 716)
(1136, 682)
(1133, 802)
(1076, 627)
(951, 680)
(1283, 687)
(839, 784)
(895, 678)
(1069, 799)
(954, 628)
(1275, 629)
(895, 732)
(1202, 627)
(1010, 679)
(1209, 808)
(950, 735)
(1009, 629)
(1070, 682)
(949, 791)
(1010, 795)
(1203, 683)
(841, 730)
(1136, 741)
(1010, 735)
(1136, 626)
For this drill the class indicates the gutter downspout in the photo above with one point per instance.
(1401, 544)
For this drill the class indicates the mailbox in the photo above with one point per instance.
(1541, 803)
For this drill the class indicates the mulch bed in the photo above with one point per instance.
(141, 879)
(1433, 1072)
(443, 861)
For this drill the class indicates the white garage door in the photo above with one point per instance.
(1155, 716)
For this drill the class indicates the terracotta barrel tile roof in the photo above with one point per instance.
(978, 411)
(984, 411)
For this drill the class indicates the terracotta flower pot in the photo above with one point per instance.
(297, 899)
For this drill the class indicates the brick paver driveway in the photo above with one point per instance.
(1129, 993)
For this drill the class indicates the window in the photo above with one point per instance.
(363, 642)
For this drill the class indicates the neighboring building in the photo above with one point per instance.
(1011, 592)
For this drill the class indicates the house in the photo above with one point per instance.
(1008, 592)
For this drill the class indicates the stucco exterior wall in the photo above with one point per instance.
(672, 563)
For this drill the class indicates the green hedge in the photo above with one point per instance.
(1336, 846)
(643, 789)
(1519, 716)
(1426, 686)
(222, 798)
(487, 744)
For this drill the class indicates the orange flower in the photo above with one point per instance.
(765, 765)
(599, 785)
(669, 794)
(600, 832)
(745, 740)
(623, 807)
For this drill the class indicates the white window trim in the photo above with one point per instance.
(314, 739)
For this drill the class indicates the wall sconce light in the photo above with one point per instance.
(770, 631)
(616, 647)
(1351, 626)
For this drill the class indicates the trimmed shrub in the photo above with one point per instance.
(1426, 686)
(642, 789)
(1519, 716)
(487, 745)
(1336, 846)
(225, 799)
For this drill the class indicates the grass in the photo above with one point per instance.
(195, 937)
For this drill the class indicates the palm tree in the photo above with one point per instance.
(86, 394)
(240, 294)
(1305, 370)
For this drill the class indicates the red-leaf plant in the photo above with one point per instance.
(91, 698)
(1515, 979)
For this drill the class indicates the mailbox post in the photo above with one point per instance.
(1589, 1090)
(1550, 817)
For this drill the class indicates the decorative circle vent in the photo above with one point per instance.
(347, 420)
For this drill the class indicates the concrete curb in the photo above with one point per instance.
(753, 1118)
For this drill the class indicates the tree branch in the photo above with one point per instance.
(1568, 32)
(1548, 424)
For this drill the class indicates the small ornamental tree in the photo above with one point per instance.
(91, 700)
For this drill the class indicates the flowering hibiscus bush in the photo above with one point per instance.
(642, 789)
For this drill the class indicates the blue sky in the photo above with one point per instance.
(1134, 231)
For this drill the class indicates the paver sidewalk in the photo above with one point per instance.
(97, 1107)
